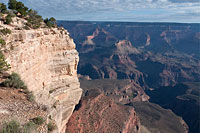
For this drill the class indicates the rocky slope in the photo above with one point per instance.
(103, 104)
(121, 91)
(155, 119)
(15, 106)
(98, 113)
(47, 61)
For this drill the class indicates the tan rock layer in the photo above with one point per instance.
(47, 61)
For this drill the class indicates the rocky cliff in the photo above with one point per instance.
(98, 113)
(47, 61)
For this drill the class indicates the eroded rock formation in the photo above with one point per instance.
(98, 113)
(47, 61)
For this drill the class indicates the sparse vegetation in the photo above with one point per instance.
(51, 126)
(15, 127)
(4, 66)
(14, 80)
(5, 31)
(29, 127)
(30, 96)
(3, 8)
(26, 27)
(11, 127)
(50, 22)
(38, 120)
(34, 20)
(18, 7)
(8, 19)
(2, 42)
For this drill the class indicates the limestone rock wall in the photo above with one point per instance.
(47, 61)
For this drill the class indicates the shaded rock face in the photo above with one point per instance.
(47, 61)
(121, 91)
(98, 113)
(184, 101)
(155, 119)
(151, 54)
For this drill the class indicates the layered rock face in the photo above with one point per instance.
(121, 91)
(120, 50)
(47, 61)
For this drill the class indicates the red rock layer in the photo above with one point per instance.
(99, 114)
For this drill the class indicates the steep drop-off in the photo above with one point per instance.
(47, 61)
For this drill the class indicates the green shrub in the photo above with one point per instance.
(29, 127)
(2, 42)
(38, 120)
(14, 81)
(11, 127)
(5, 31)
(4, 66)
(30, 96)
(50, 22)
(12, 4)
(51, 126)
(12, 13)
(34, 20)
(18, 7)
(8, 19)
(21, 9)
(3, 8)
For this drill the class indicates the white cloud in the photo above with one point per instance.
(81, 9)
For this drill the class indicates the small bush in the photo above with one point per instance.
(14, 81)
(11, 127)
(30, 97)
(4, 66)
(38, 120)
(12, 4)
(51, 126)
(18, 7)
(29, 127)
(8, 19)
(50, 22)
(5, 31)
(2, 42)
(3, 8)
(11, 13)
(34, 20)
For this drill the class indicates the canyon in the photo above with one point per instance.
(155, 57)
(123, 50)
(118, 76)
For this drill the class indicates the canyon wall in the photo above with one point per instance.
(47, 61)
(128, 50)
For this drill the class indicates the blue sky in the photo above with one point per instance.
(118, 10)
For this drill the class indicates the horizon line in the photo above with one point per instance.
(130, 21)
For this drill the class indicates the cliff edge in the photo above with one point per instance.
(47, 61)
